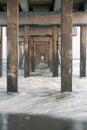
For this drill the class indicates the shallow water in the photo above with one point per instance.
(44, 107)
(38, 122)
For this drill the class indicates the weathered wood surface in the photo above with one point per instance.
(45, 18)
(0, 51)
(21, 54)
(55, 50)
(12, 45)
(50, 52)
(41, 39)
(66, 46)
(44, 31)
(27, 52)
(37, 55)
(37, 39)
(32, 54)
(83, 43)
(41, 43)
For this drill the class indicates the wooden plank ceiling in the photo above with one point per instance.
(45, 5)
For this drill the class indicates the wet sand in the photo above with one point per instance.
(38, 122)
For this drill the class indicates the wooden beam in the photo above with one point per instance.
(12, 45)
(44, 18)
(24, 5)
(41, 39)
(44, 32)
(41, 43)
(66, 45)
(37, 31)
(43, 47)
(83, 43)
(37, 39)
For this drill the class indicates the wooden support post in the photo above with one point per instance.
(59, 50)
(83, 51)
(49, 55)
(12, 45)
(0, 51)
(32, 55)
(21, 54)
(26, 52)
(66, 45)
(37, 55)
(55, 50)
(50, 42)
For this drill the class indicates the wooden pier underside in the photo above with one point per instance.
(42, 28)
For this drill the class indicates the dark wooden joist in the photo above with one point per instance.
(26, 52)
(66, 45)
(83, 43)
(12, 45)
(0, 51)
(45, 18)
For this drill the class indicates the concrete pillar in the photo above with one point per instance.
(21, 54)
(12, 45)
(83, 41)
(55, 50)
(32, 55)
(0, 51)
(66, 45)
(26, 52)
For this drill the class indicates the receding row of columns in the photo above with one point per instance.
(66, 48)
(51, 55)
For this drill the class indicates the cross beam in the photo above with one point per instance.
(45, 18)
(44, 31)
